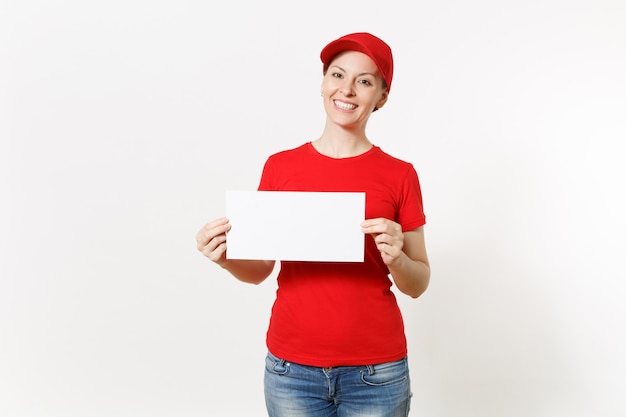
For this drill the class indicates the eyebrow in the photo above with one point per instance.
(361, 74)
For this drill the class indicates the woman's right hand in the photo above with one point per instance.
(211, 240)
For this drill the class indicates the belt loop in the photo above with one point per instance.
(280, 365)
(370, 369)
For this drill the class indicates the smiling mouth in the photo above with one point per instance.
(345, 106)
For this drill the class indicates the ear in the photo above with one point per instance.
(383, 99)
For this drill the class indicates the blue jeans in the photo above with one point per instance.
(381, 390)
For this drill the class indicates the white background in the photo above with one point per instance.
(122, 123)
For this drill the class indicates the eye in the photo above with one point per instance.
(365, 81)
(337, 75)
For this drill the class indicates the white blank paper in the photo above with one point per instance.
(295, 226)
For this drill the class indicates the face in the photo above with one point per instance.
(352, 87)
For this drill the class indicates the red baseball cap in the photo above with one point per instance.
(366, 43)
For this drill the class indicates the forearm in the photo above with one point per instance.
(249, 271)
(410, 276)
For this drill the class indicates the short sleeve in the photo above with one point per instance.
(267, 181)
(411, 212)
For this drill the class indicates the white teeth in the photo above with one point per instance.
(345, 106)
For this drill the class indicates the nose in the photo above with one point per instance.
(347, 89)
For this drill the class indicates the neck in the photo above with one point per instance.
(341, 147)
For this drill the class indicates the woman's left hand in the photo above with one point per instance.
(388, 236)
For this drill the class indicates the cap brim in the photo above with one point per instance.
(341, 45)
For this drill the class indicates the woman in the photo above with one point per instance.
(336, 341)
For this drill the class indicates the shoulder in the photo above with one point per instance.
(289, 154)
(293, 151)
(391, 161)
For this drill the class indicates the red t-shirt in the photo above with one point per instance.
(336, 313)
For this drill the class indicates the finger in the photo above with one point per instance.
(387, 248)
(212, 244)
(387, 238)
(385, 251)
(212, 229)
(389, 253)
(218, 253)
(216, 226)
(369, 223)
(391, 244)
(381, 226)
(373, 229)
